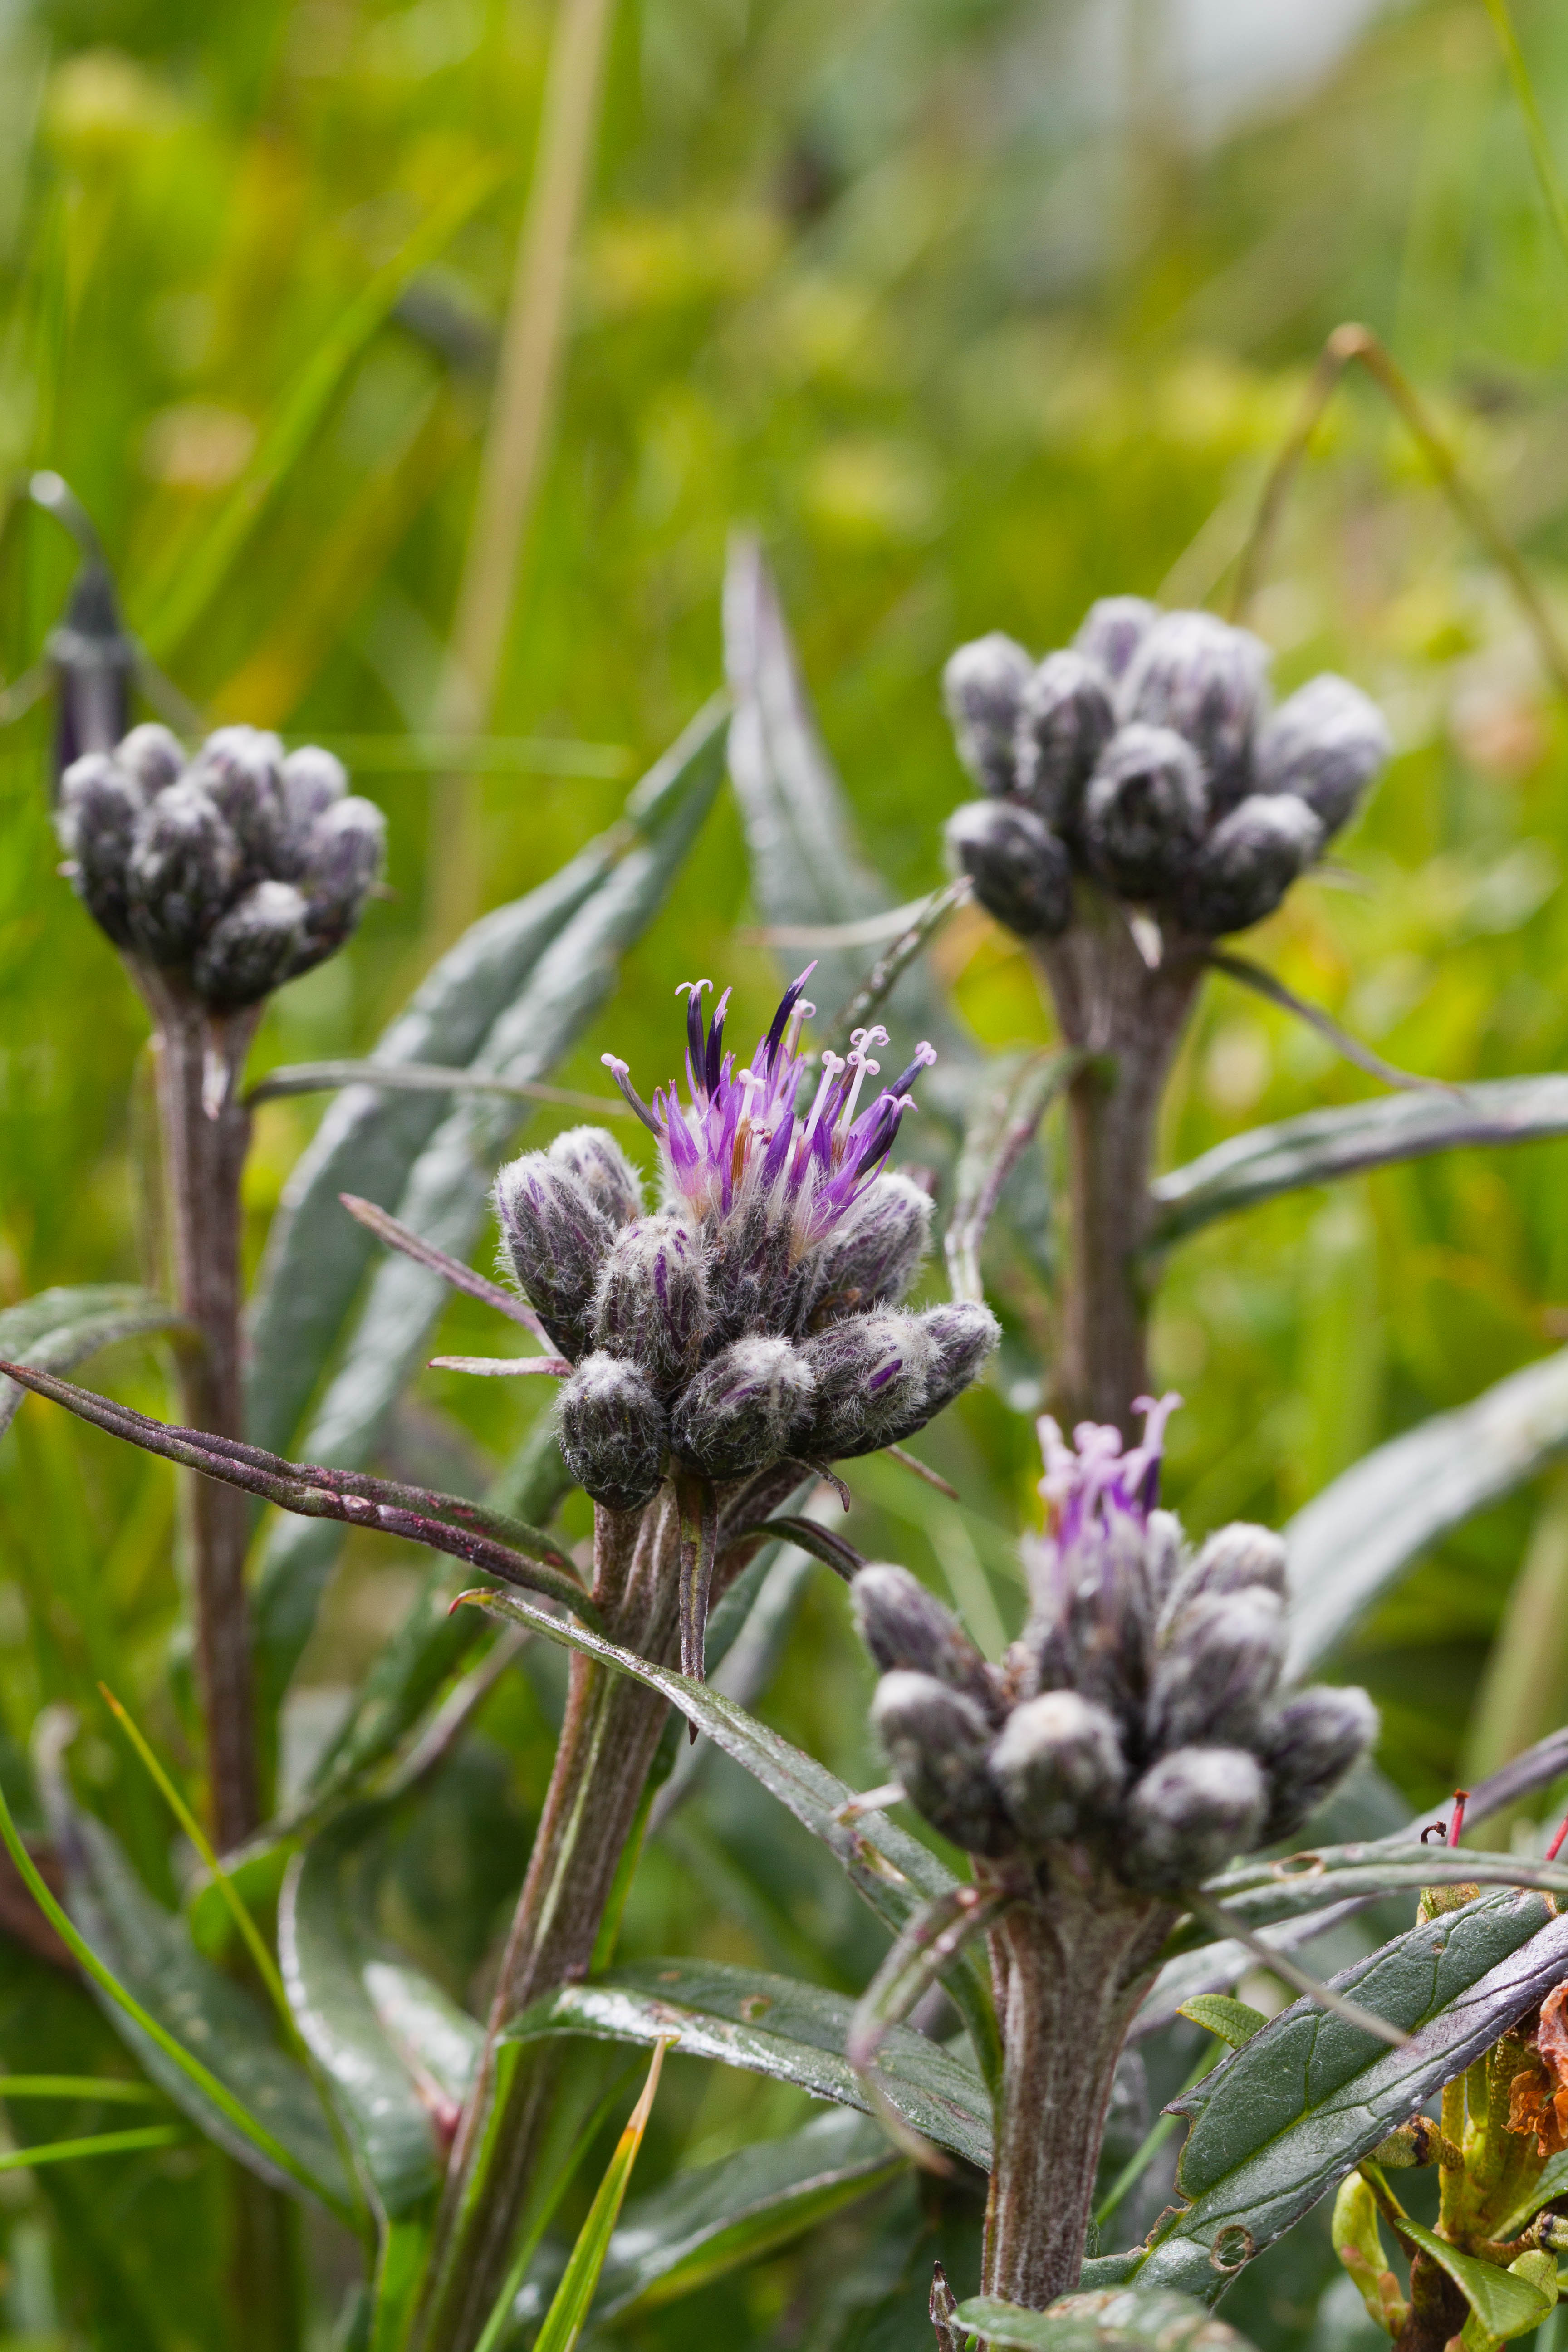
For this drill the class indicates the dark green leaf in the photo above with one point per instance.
(777, 2026)
(1112, 2320)
(61, 1328)
(1233, 2021)
(439, 2042)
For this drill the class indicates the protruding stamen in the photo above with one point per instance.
(832, 1064)
(787, 1003)
(862, 1069)
(1555, 1848)
(619, 1070)
(1456, 1825)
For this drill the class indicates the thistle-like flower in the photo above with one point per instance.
(1138, 1718)
(1145, 758)
(231, 872)
(755, 1318)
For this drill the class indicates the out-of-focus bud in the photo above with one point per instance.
(651, 1305)
(94, 663)
(736, 1415)
(1219, 1662)
(183, 868)
(1234, 1558)
(904, 1626)
(1113, 630)
(152, 756)
(935, 1740)
(310, 780)
(1326, 743)
(1065, 722)
(249, 951)
(1165, 1553)
(1145, 811)
(1021, 871)
(873, 1254)
(1248, 862)
(1208, 682)
(1057, 1761)
(556, 1239)
(870, 1378)
(95, 818)
(592, 1156)
(962, 1334)
(1309, 1744)
(342, 855)
(237, 768)
(1189, 1813)
(614, 1434)
(980, 687)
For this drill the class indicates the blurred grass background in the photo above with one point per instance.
(978, 309)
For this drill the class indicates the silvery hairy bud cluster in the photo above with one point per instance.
(755, 1318)
(1139, 1716)
(234, 870)
(1145, 757)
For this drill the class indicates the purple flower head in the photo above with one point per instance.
(739, 1145)
(1092, 1484)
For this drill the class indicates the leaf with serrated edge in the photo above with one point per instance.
(59, 1329)
(1279, 2124)
(776, 2026)
(1126, 2321)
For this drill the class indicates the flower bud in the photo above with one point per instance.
(870, 1379)
(310, 780)
(904, 1626)
(1113, 630)
(1219, 1662)
(95, 818)
(557, 1240)
(651, 1305)
(237, 768)
(1308, 1745)
(1145, 811)
(253, 948)
(183, 869)
(1248, 862)
(1234, 1558)
(614, 1434)
(735, 1416)
(1190, 1813)
(1065, 722)
(981, 686)
(152, 756)
(592, 1156)
(1208, 682)
(873, 1254)
(1057, 1761)
(1165, 1553)
(1326, 743)
(962, 1334)
(1021, 871)
(341, 855)
(935, 1740)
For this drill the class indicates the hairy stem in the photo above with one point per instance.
(1127, 1020)
(1068, 1970)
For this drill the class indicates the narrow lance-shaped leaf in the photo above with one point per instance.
(59, 1329)
(1002, 1125)
(567, 2316)
(923, 1952)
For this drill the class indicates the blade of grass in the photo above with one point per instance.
(120, 2143)
(1535, 129)
(115, 2087)
(561, 2177)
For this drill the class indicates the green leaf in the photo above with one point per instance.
(120, 2143)
(1279, 2123)
(708, 2220)
(439, 2042)
(564, 2320)
(1117, 2319)
(58, 1329)
(776, 2026)
(1233, 2021)
(1253, 1897)
(1505, 2303)
(1355, 1538)
(1551, 2183)
(1324, 1145)
(446, 1189)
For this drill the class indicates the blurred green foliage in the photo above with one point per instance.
(952, 300)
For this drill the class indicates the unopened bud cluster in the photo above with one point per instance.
(753, 1317)
(1145, 757)
(236, 870)
(1139, 1716)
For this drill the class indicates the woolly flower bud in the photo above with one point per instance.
(904, 1626)
(981, 686)
(310, 780)
(95, 817)
(1065, 722)
(651, 1304)
(1326, 743)
(592, 1156)
(962, 1334)
(252, 948)
(237, 768)
(935, 1740)
(1219, 1662)
(1144, 811)
(1113, 630)
(874, 1253)
(870, 1378)
(1207, 681)
(152, 757)
(341, 856)
(1190, 1813)
(1021, 871)
(1235, 1558)
(614, 1434)
(1309, 1744)
(736, 1415)
(556, 1239)
(1248, 862)
(183, 867)
(1058, 1761)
